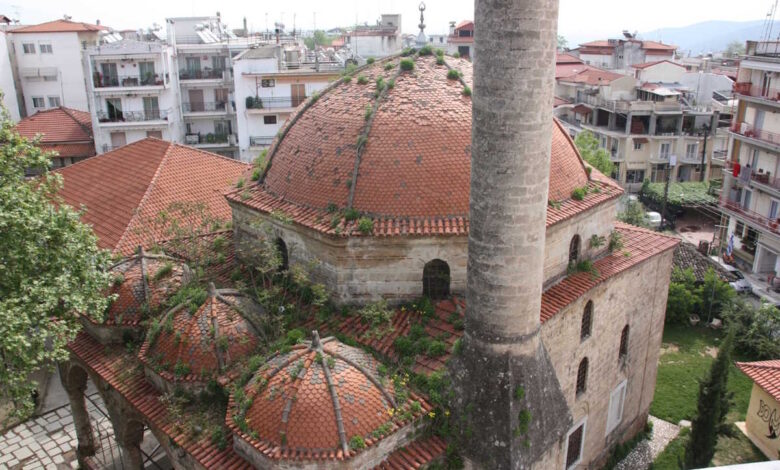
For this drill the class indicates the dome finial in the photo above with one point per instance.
(421, 40)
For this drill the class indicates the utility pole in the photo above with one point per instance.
(672, 163)
(704, 151)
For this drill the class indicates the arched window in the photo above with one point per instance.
(574, 249)
(587, 321)
(282, 248)
(623, 343)
(436, 279)
(582, 376)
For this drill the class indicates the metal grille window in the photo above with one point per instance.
(45, 48)
(574, 446)
(582, 376)
(269, 119)
(38, 102)
(268, 83)
(54, 101)
(623, 352)
(587, 320)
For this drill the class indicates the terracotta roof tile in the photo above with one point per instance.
(416, 454)
(125, 189)
(60, 26)
(593, 76)
(655, 62)
(766, 374)
(658, 45)
(63, 129)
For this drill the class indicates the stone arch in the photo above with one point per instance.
(623, 351)
(436, 279)
(281, 246)
(574, 249)
(587, 321)
(582, 377)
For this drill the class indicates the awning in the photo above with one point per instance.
(582, 109)
(641, 140)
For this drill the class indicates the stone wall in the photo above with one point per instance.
(762, 412)
(616, 303)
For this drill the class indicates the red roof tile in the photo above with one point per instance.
(60, 26)
(655, 62)
(415, 455)
(766, 374)
(413, 170)
(125, 189)
(566, 58)
(58, 125)
(658, 46)
(593, 76)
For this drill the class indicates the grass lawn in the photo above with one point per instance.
(685, 358)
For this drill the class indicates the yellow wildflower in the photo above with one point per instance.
(432, 415)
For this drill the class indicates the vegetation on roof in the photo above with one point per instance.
(685, 194)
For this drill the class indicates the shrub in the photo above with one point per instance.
(439, 52)
(440, 60)
(390, 84)
(362, 80)
(256, 174)
(584, 266)
(376, 313)
(407, 65)
(408, 51)
(596, 241)
(240, 183)
(466, 91)
(755, 329)
(180, 370)
(164, 271)
(456, 55)
(351, 214)
(425, 50)
(365, 225)
(357, 442)
(389, 66)
(347, 78)
(370, 60)
(453, 74)
(369, 112)
(579, 194)
(615, 241)
(436, 348)
(295, 336)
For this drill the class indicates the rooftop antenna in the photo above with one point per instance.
(769, 23)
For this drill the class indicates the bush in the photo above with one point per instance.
(256, 174)
(376, 313)
(362, 80)
(426, 50)
(357, 442)
(439, 52)
(389, 66)
(579, 194)
(633, 214)
(408, 51)
(456, 55)
(436, 348)
(365, 225)
(370, 60)
(466, 91)
(756, 329)
(351, 214)
(407, 65)
(453, 74)
(347, 78)
(439, 60)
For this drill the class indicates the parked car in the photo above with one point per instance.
(653, 219)
(741, 285)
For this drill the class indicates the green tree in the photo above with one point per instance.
(734, 49)
(50, 269)
(755, 329)
(562, 43)
(633, 214)
(683, 299)
(319, 38)
(715, 294)
(711, 410)
(596, 156)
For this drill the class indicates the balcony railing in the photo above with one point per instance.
(257, 141)
(195, 139)
(217, 74)
(108, 148)
(719, 156)
(131, 80)
(273, 102)
(659, 158)
(205, 107)
(760, 134)
(133, 116)
(772, 225)
(757, 91)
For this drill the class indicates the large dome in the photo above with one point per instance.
(410, 146)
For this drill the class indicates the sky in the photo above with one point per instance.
(579, 20)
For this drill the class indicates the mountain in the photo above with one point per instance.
(710, 36)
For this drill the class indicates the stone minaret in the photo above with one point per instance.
(508, 397)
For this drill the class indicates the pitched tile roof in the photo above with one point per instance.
(64, 130)
(60, 26)
(655, 62)
(305, 404)
(125, 189)
(566, 58)
(658, 45)
(412, 172)
(593, 76)
(766, 374)
(416, 454)
(686, 256)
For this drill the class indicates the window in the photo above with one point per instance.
(635, 176)
(739, 231)
(773, 209)
(616, 400)
(746, 199)
(49, 78)
(691, 150)
(623, 351)
(45, 48)
(28, 48)
(281, 247)
(146, 71)
(269, 119)
(665, 150)
(151, 108)
(436, 279)
(587, 320)
(582, 377)
(114, 107)
(54, 101)
(574, 446)
(615, 171)
(268, 83)
(38, 102)
(659, 173)
(574, 249)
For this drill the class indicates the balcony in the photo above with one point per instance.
(691, 159)
(659, 158)
(761, 221)
(719, 157)
(259, 105)
(210, 140)
(206, 74)
(757, 91)
(130, 117)
(760, 135)
(127, 81)
(217, 107)
(258, 141)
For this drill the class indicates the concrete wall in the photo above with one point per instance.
(616, 303)
(599, 60)
(7, 85)
(762, 412)
(662, 72)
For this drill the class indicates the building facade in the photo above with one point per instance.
(134, 93)
(380, 40)
(7, 80)
(50, 63)
(751, 191)
(461, 39)
(270, 82)
(622, 53)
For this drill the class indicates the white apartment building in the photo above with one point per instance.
(49, 62)
(270, 82)
(7, 84)
(461, 39)
(133, 92)
(751, 191)
(643, 120)
(380, 40)
(622, 53)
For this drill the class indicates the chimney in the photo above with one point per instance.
(505, 385)
(452, 28)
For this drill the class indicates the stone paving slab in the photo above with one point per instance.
(647, 450)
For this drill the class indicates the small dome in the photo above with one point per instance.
(415, 157)
(321, 400)
(142, 283)
(204, 344)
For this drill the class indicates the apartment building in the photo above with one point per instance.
(270, 82)
(461, 39)
(622, 53)
(8, 81)
(379, 40)
(133, 92)
(48, 58)
(643, 120)
(751, 191)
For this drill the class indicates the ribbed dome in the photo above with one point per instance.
(197, 346)
(314, 401)
(416, 146)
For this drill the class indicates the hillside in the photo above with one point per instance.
(710, 36)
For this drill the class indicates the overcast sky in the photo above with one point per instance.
(579, 20)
